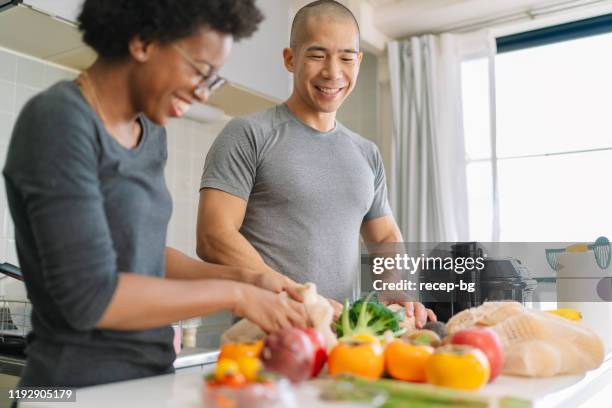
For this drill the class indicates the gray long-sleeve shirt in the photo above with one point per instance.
(85, 208)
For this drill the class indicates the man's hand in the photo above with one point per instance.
(413, 309)
(421, 313)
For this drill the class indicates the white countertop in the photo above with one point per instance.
(184, 388)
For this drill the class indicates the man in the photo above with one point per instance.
(290, 189)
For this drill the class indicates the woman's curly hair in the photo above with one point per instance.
(108, 26)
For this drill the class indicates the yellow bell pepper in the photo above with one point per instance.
(226, 367)
(455, 366)
(235, 351)
(250, 367)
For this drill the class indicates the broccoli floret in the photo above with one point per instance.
(369, 316)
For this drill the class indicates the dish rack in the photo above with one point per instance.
(14, 319)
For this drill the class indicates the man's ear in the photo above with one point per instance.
(360, 57)
(140, 50)
(289, 59)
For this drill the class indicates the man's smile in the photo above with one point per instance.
(329, 91)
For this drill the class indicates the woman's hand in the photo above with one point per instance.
(276, 282)
(270, 311)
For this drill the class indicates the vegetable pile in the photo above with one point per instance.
(373, 341)
(368, 347)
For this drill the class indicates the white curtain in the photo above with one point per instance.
(428, 173)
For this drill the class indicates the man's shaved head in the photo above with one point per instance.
(318, 9)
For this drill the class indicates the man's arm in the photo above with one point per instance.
(183, 267)
(220, 216)
(381, 230)
(385, 230)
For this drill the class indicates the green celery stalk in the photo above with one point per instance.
(404, 394)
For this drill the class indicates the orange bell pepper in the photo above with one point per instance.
(406, 361)
(455, 366)
(235, 351)
(363, 358)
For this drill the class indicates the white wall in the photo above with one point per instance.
(360, 110)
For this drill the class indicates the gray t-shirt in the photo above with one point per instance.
(85, 208)
(307, 194)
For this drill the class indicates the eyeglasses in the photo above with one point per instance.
(210, 80)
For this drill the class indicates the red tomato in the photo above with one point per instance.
(488, 342)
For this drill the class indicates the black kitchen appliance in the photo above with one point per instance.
(500, 279)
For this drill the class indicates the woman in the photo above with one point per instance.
(84, 180)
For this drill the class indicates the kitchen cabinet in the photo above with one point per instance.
(257, 78)
(65, 9)
(256, 63)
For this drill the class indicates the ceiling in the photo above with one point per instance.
(382, 2)
(400, 18)
(383, 20)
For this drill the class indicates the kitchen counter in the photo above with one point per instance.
(188, 357)
(183, 389)
(194, 356)
(11, 365)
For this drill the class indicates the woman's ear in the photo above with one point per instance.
(139, 49)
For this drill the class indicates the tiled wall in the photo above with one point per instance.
(188, 141)
(22, 77)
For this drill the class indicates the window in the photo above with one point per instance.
(553, 136)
